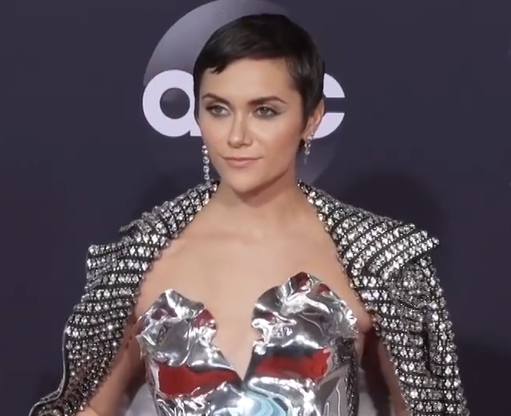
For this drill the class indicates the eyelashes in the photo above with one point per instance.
(216, 110)
(260, 112)
(266, 112)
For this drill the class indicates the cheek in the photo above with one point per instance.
(281, 137)
(211, 131)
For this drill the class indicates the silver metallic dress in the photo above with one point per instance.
(303, 362)
(389, 267)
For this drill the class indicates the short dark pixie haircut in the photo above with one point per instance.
(266, 36)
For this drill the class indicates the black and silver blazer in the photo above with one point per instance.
(388, 263)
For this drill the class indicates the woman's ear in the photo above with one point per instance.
(314, 120)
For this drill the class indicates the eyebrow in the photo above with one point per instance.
(254, 102)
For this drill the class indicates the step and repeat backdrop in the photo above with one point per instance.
(96, 126)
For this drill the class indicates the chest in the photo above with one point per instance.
(229, 276)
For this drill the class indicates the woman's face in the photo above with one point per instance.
(251, 120)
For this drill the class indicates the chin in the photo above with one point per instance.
(243, 184)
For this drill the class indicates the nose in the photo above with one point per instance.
(238, 134)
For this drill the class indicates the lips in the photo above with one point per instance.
(240, 159)
(240, 162)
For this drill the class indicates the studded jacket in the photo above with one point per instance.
(388, 263)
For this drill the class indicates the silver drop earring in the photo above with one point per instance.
(205, 163)
(307, 148)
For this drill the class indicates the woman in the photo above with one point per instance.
(232, 297)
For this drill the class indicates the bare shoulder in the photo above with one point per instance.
(181, 266)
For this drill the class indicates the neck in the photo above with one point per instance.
(270, 207)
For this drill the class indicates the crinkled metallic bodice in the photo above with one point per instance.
(303, 361)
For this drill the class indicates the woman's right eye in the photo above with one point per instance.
(216, 110)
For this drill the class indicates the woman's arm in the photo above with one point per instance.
(381, 370)
(88, 412)
(100, 354)
(107, 398)
(386, 367)
(127, 365)
(419, 280)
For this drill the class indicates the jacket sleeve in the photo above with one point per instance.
(93, 333)
(440, 347)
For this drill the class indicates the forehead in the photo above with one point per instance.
(247, 79)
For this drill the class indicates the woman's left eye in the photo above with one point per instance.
(266, 112)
